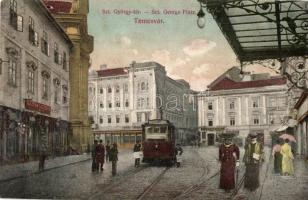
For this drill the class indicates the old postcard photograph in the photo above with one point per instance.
(154, 99)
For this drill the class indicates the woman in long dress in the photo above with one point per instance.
(287, 159)
(277, 157)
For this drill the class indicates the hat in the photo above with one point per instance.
(253, 135)
(227, 136)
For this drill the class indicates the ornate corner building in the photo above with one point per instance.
(72, 15)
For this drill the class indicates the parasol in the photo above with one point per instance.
(291, 138)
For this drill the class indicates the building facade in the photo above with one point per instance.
(242, 104)
(72, 15)
(121, 99)
(34, 80)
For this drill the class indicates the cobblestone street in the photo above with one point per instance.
(197, 178)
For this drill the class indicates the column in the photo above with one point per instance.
(239, 110)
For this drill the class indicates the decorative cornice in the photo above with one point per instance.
(45, 74)
(32, 65)
(12, 52)
(56, 81)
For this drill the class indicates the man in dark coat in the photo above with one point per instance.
(100, 155)
(94, 162)
(113, 157)
(252, 159)
(137, 151)
(107, 151)
(228, 156)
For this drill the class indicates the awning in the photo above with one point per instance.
(281, 128)
(260, 30)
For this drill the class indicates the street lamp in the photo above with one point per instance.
(201, 17)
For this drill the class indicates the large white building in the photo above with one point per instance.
(242, 104)
(121, 99)
(34, 79)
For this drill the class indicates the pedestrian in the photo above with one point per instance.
(100, 155)
(287, 159)
(43, 149)
(107, 150)
(229, 158)
(113, 157)
(94, 162)
(137, 153)
(178, 154)
(277, 157)
(252, 159)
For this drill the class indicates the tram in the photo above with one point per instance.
(158, 141)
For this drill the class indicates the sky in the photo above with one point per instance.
(197, 55)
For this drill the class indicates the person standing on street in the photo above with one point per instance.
(287, 159)
(229, 154)
(94, 162)
(43, 149)
(277, 157)
(100, 155)
(137, 152)
(113, 157)
(252, 159)
(107, 151)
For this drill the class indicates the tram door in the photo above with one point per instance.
(211, 139)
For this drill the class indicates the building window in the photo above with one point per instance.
(12, 72)
(148, 102)
(271, 119)
(256, 120)
(101, 105)
(117, 89)
(255, 102)
(125, 88)
(30, 81)
(109, 104)
(210, 106)
(101, 91)
(45, 45)
(232, 121)
(126, 119)
(33, 36)
(232, 105)
(210, 122)
(16, 21)
(144, 86)
(109, 119)
(109, 89)
(101, 120)
(147, 116)
(139, 117)
(45, 88)
(126, 103)
(64, 62)
(118, 119)
(57, 57)
(118, 104)
(64, 97)
(56, 82)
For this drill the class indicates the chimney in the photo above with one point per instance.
(103, 66)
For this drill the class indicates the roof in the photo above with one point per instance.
(112, 72)
(44, 9)
(228, 84)
(57, 7)
(260, 30)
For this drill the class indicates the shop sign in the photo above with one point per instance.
(35, 106)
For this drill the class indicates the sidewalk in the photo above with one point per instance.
(276, 187)
(282, 187)
(10, 172)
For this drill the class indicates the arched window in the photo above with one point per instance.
(143, 86)
(117, 88)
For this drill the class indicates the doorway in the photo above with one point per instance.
(211, 139)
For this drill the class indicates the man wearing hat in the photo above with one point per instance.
(228, 156)
(252, 159)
